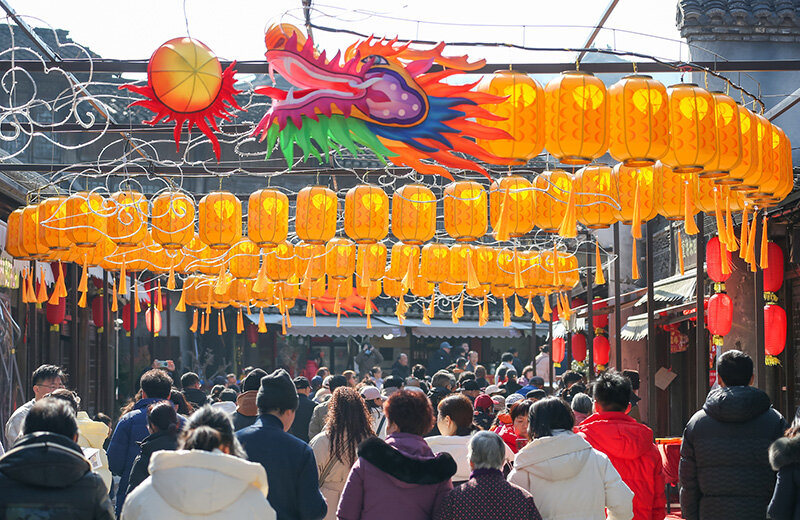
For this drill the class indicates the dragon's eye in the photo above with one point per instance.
(376, 60)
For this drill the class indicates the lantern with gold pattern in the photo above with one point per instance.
(220, 219)
(268, 217)
(511, 205)
(316, 209)
(692, 129)
(639, 130)
(413, 214)
(172, 219)
(465, 210)
(366, 214)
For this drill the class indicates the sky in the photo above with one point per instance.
(234, 29)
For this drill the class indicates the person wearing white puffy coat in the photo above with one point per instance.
(569, 480)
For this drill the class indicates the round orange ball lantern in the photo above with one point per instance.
(281, 262)
(692, 129)
(186, 76)
(370, 263)
(366, 214)
(728, 138)
(576, 117)
(127, 225)
(244, 259)
(268, 217)
(53, 223)
(522, 113)
(340, 258)
(512, 199)
(413, 214)
(551, 193)
(219, 219)
(628, 182)
(435, 263)
(87, 218)
(30, 243)
(639, 128)
(13, 234)
(465, 210)
(172, 219)
(595, 197)
(316, 210)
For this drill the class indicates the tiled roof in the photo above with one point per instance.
(765, 18)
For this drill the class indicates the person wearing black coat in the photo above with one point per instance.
(45, 475)
(305, 408)
(784, 456)
(439, 359)
(724, 469)
(162, 423)
(400, 367)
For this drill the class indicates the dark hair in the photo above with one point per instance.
(161, 417)
(216, 420)
(347, 425)
(374, 370)
(103, 418)
(323, 372)
(519, 408)
(633, 376)
(461, 362)
(189, 379)
(508, 357)
(252, 381)
(459, 409)
(410, 411)
(527, 369)
(393, 382)
(442, 378)
(419, 371)
(68, 396)
(51, 415)
(551, 413)
(215, 391)
(735, 368)
(510, 373)
(570, 376)
(156, 384)
(231, 375)
(612, 391)
(501, 373)
(466, 376)
(45, 372)
(229, 394)
(178, 399)
(480, 371)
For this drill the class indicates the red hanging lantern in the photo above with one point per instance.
(716, 253)
(126, 319)
(98, 316)
(152, 318)
(252, 334)
(599, 320)
(773, 273)
(774, 332)
(558, 351)
(56, 313)
(601, 350)
(720, 314)
(579, 347)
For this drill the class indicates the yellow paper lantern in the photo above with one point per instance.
(522, 113)
(460, 255)
(366, 214)
(576, 117)
(551, 193)
(241, 292)
(14, 233)
(512, 198)
(172, 219)
(394, 288)
(402, 255)
(530, 268)
(596, 200)
(504, 274)
(692, 129)
(340, 258)
(413, 214)
(669, 189)
(220, 220)
(766, 156)
(31, 245)
(728, 138)
(465, 210)
(53, 223)
(422, 288)
(316, 210)
(639, 127)
(281, 262)
(748, 166)
(787, 174)
(370, 263)
(625, 181)
(310, 260)
(244, 259)
(435, 262)
(451, 289)
(268, 217)
(127, 224)
(87, 217)
(484, 260)
(772, 177)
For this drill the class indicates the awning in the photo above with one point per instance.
(469, 329)
(672, 289)
(326, 325)
(635, 328)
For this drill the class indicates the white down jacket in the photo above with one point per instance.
(458, 447)
(570, 480)
(197, 484)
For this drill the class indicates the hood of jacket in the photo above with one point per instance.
(202, 483)
(159, 441)
(246, 403)
(92, 433)
(784, 452)
(46, 460)
(226, 406)
(559, 457)
(736, 404)
(617, 434)
(408, 459)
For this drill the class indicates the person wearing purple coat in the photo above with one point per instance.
(401, 471)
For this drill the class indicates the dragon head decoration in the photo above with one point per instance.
(380, 94)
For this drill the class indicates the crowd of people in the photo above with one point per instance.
(445, 442)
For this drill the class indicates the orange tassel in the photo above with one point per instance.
(337, 306)
(400, 310)
(123, 278)
(24, 287)
(547, 311)
(732, 244)
(171, 277)
(181, 307)
(56, 289)
(556, 276)
(518, 310)
(314, 316)
(472, 275)
(207, 316)
(460, 310)
(411, 273)
(82, 301)
(219, 324)
(721, 229)
(518, 282)
(506, 314)
(114, 304)
(680, 252)
(425, 319)
(532, 309)
(136, 305)
(744, 232)
(41, 296)
(432, 306)
(502, 219)
(368, 307)
(764, 244)
(62, 286)
(159, 302)
(750, 258)
(222, 319)
(599, 279)
(453, 315)
(283, 324)
(262, 325)
(83, 286)
(725, 265)
(636, 220)
(634, 263)
(193, 327)
(261, 282)
(689, 225)
(569, 225)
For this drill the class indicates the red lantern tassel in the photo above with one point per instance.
(634, 262)
(689, 225)
(764, 243)
(262, 325)
(518, 310)
(193, 327)
(599, 279)
(506, 313)
(680, 252)
(743, 235)
(569, 225)
(472, 276)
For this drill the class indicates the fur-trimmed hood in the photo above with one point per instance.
(784, 452)
(402, 459)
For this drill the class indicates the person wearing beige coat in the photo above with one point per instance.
(91, 436)
(336, 477)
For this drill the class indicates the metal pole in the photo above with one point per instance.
(617, 302)
(589, 312)
(590, 40)
(132, 314)
(550, 348)
(652, 350)
(758, 297)
(701, 346)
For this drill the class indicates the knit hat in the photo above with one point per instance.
(513, 398)
(277, 392)
(301, 382)
(484, 402)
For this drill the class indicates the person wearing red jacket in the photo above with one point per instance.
(628, 444)
(512, 427)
